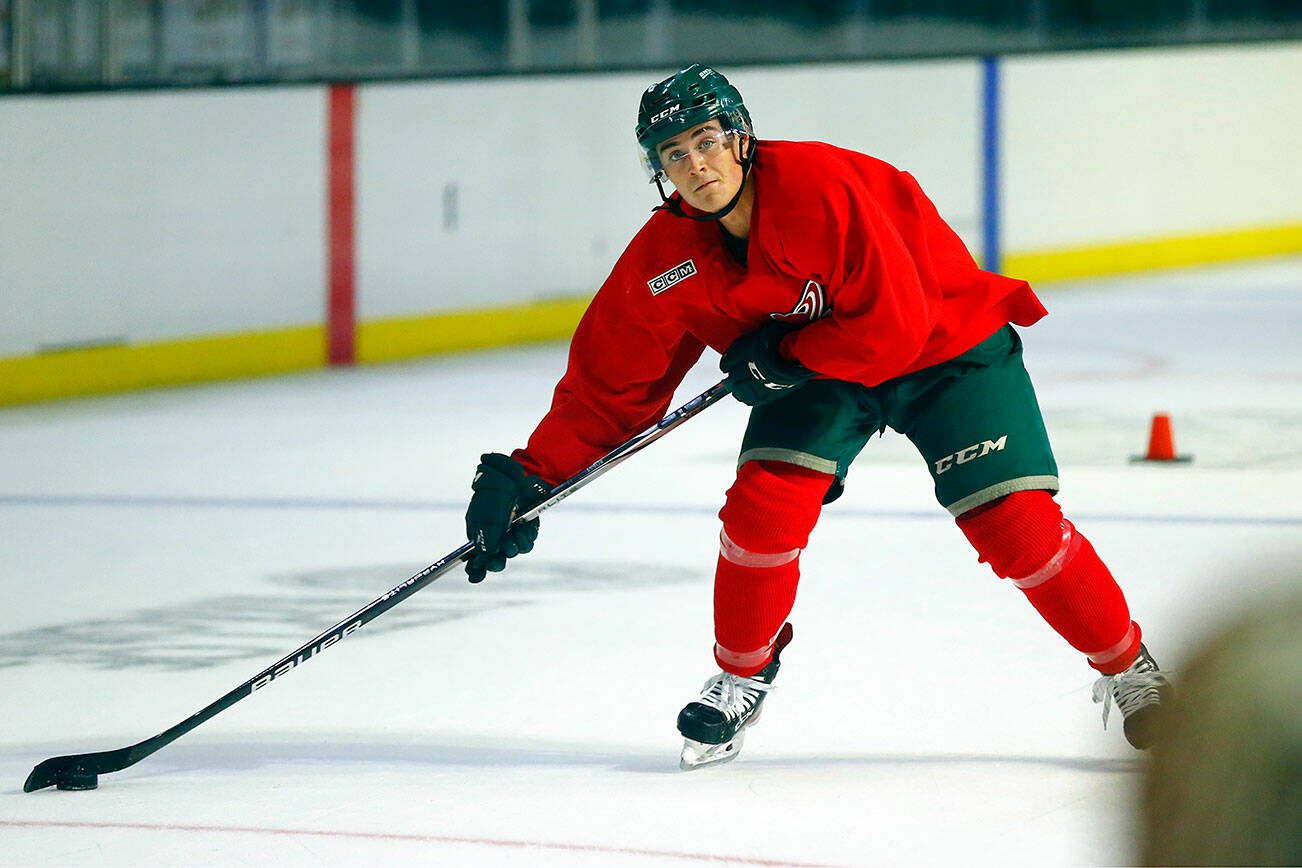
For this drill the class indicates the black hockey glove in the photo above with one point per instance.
(756, 371)
(502, 489)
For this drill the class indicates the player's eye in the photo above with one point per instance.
(706, 145)
(677, 156)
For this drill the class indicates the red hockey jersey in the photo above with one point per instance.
(840, 240)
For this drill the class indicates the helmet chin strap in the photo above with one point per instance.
(675, 206)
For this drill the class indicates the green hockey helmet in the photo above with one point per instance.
(686, 99)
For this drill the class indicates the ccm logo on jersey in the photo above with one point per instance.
(811, 306)
(976, 450)
(661, 282)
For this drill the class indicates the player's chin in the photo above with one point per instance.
(710, 202)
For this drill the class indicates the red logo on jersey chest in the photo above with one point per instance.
(811, 306)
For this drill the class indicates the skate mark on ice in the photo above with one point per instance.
(211, 631)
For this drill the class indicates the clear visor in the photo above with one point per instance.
(681, 149)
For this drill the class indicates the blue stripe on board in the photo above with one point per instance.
(991, 254)
(362, 505)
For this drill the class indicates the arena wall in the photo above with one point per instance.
(1126, 161)
(172, 236)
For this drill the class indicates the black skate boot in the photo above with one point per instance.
(714, 726)
(1139, 692)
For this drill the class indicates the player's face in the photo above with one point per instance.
(704, 165)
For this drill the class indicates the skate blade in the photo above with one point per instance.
(697, 755)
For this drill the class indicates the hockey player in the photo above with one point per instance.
(842, 304)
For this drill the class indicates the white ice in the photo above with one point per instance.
(157, 549)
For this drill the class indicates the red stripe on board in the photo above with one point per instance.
(398, 836)
(341, 317)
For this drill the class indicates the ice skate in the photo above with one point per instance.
(714, 726)
(1139, 692)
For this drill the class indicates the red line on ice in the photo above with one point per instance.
(394, 836)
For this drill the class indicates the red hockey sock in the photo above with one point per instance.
(767, 518)
(1025, 538)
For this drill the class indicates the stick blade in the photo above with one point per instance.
(75, 772)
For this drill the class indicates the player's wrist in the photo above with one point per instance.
(786, 360)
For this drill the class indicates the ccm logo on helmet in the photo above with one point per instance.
(976, 450)
(673, 108)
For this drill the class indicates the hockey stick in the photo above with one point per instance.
(81, 771)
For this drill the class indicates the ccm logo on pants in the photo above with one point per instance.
(976, 450)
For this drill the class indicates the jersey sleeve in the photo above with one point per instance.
(883, 298)
(625, 361)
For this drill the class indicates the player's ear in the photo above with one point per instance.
(745, 146)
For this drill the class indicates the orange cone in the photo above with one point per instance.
(1161, 442)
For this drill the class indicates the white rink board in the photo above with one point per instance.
(161, 547)
(511, 190)
(137, 217)
(545, 184)
(1113, 146)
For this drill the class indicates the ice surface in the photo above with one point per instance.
(157, 549)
